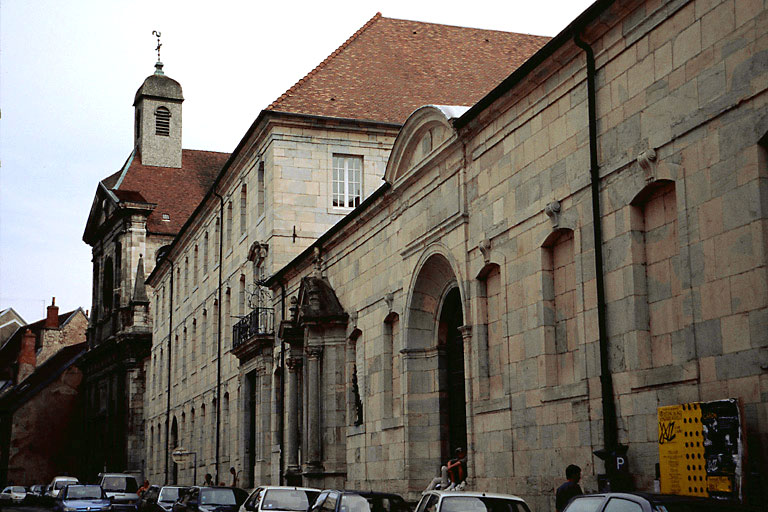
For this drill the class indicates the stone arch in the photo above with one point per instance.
(434, 363)
(435, 274)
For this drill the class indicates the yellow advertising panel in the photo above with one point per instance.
(681, 451)
(700, 449)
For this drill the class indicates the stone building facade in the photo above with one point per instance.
(38, 364)
(585, 244)
(136, 211)
(309, 159)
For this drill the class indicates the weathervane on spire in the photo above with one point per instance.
(159, 44)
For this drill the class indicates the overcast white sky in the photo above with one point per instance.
(69, 70)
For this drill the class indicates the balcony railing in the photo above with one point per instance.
(260, 321)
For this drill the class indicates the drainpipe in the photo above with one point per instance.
(218, 338)
(168, 404)
(610, 434)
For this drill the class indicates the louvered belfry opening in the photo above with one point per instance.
(163, 122)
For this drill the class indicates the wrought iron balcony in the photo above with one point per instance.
(259, 322)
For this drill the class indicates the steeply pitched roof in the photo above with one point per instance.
(175, 191)
(391, 67)
(9, 352)
(42, 376)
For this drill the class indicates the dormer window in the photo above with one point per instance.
(162, 122)
(166, 217)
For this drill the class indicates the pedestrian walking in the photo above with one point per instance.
(570, 488)
(234, 476)
(208, 482)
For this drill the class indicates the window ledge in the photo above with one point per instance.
(355, 430)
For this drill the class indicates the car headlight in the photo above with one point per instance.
(70, 509)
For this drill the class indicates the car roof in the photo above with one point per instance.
(117, 474)
(364, 493)
(471, 494)
(288, 487)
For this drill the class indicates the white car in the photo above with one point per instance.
(274, 498)
(465, 501)
(58, 483)
(121, 488)
(13, 494)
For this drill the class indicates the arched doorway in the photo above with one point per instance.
(174, 445)
(434, 366)
(453, 407)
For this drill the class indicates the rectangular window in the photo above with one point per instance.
(243, 208)
(261, 189)
(347, 181)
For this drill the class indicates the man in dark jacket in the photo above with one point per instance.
(569, 489)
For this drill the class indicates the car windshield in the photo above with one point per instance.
(481, 504)
(84, 492)
(287, 499)
(354, 503)
(18, 489)
(119, 484)
(585, 504)
(168, 494)
(217, 497)
(59, 485)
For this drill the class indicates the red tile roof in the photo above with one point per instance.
(391, 67)
(175, 191)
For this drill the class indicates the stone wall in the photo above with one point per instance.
(296, 209)
(681, 107)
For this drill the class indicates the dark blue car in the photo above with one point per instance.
(82, 498)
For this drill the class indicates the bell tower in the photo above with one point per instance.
(157, 125)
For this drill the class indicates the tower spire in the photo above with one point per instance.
(158, 64)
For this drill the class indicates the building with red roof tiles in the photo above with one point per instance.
(136, 211)
(40, 385)
(309, 159)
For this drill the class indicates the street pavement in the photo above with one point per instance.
(6, 508)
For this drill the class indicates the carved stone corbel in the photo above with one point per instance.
(485, 248)
(390, 300)
(646, 160)
(553, 212)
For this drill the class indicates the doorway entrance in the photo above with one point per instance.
(453, 406)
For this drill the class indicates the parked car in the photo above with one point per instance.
(359, 501)
(56, 485)
(280, 498)
(35, 494)
(82, 497)
(13, 495)
(121, 488)
(464, 501)
(160, 499)
(207, 499)
(647, 502)
(148, 500)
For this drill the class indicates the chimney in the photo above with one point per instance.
(52, 320)
(27, 356)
